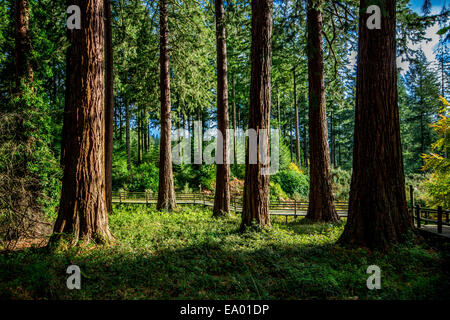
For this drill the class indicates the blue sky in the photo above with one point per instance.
(427, 47)
(417, 4)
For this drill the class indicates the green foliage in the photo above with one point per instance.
(276, 192)
(292, 182)
(341, 183)
(439, 182)
(418, 111)
(188, 255)
(418, 182)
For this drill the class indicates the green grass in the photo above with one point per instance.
(189, 255)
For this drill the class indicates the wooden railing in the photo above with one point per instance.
(288, 208)
(431, 216)
(421, 216)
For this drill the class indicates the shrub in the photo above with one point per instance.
(341, 180)
(145, 177)
(292, 182)
(276, 192)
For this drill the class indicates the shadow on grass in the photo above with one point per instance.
(212, 270)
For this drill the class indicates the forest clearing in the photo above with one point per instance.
(221, 150)
(186, 255)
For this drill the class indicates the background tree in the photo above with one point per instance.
(256, 188)
(166, 191)
(222, 196)
(321, 200)
(423, 92)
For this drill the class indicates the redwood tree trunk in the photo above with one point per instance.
(377, 215)
(256, 187)
(24, 70)
(166, 192)
(83, 212)
(109, 105)
(222, 196)
(321, 200)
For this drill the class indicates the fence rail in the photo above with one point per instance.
(284, 208)
(420, 216)
(431, 217)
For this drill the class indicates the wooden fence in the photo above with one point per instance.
(427, 216)
(421, 216)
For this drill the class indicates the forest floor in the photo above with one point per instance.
(190, 255)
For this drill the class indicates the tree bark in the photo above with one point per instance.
(234, 123)
(83, 211)
(222, 195)
(297, 131)
(256, 186)
(24, 70)
(377, 215)
(166, 191)
(128, 135)
(321, 199)
(109, 104)
(139, 138)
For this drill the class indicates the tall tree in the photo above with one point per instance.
(83, 211)
(377, 215)
(423, 87)
(24, 70)
(256, 186)
(109, 104)
(321, 199)
(222, 196)
(297, 131)
(166, 191)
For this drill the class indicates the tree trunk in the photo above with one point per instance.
(278, 110)
(139, 137)
(332, 139)
(166, 191)
(83, 211)
(222, 195)
(305, 143)
(109, 104)
(145, 130)
(120, 126)
(256, 187)
(377, 215)
(128, 135)
(24, 70)
(321, 199)
(297, 132)
(234, 123)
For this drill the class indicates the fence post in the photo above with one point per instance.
(411, 195)
(295, 206)
(234, 200)
(418, 216)
(146, 198)
(120, 197)
(439, 219)
(194, 197)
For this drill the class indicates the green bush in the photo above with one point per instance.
(292, 182)
(341, 180)
(276, 192)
